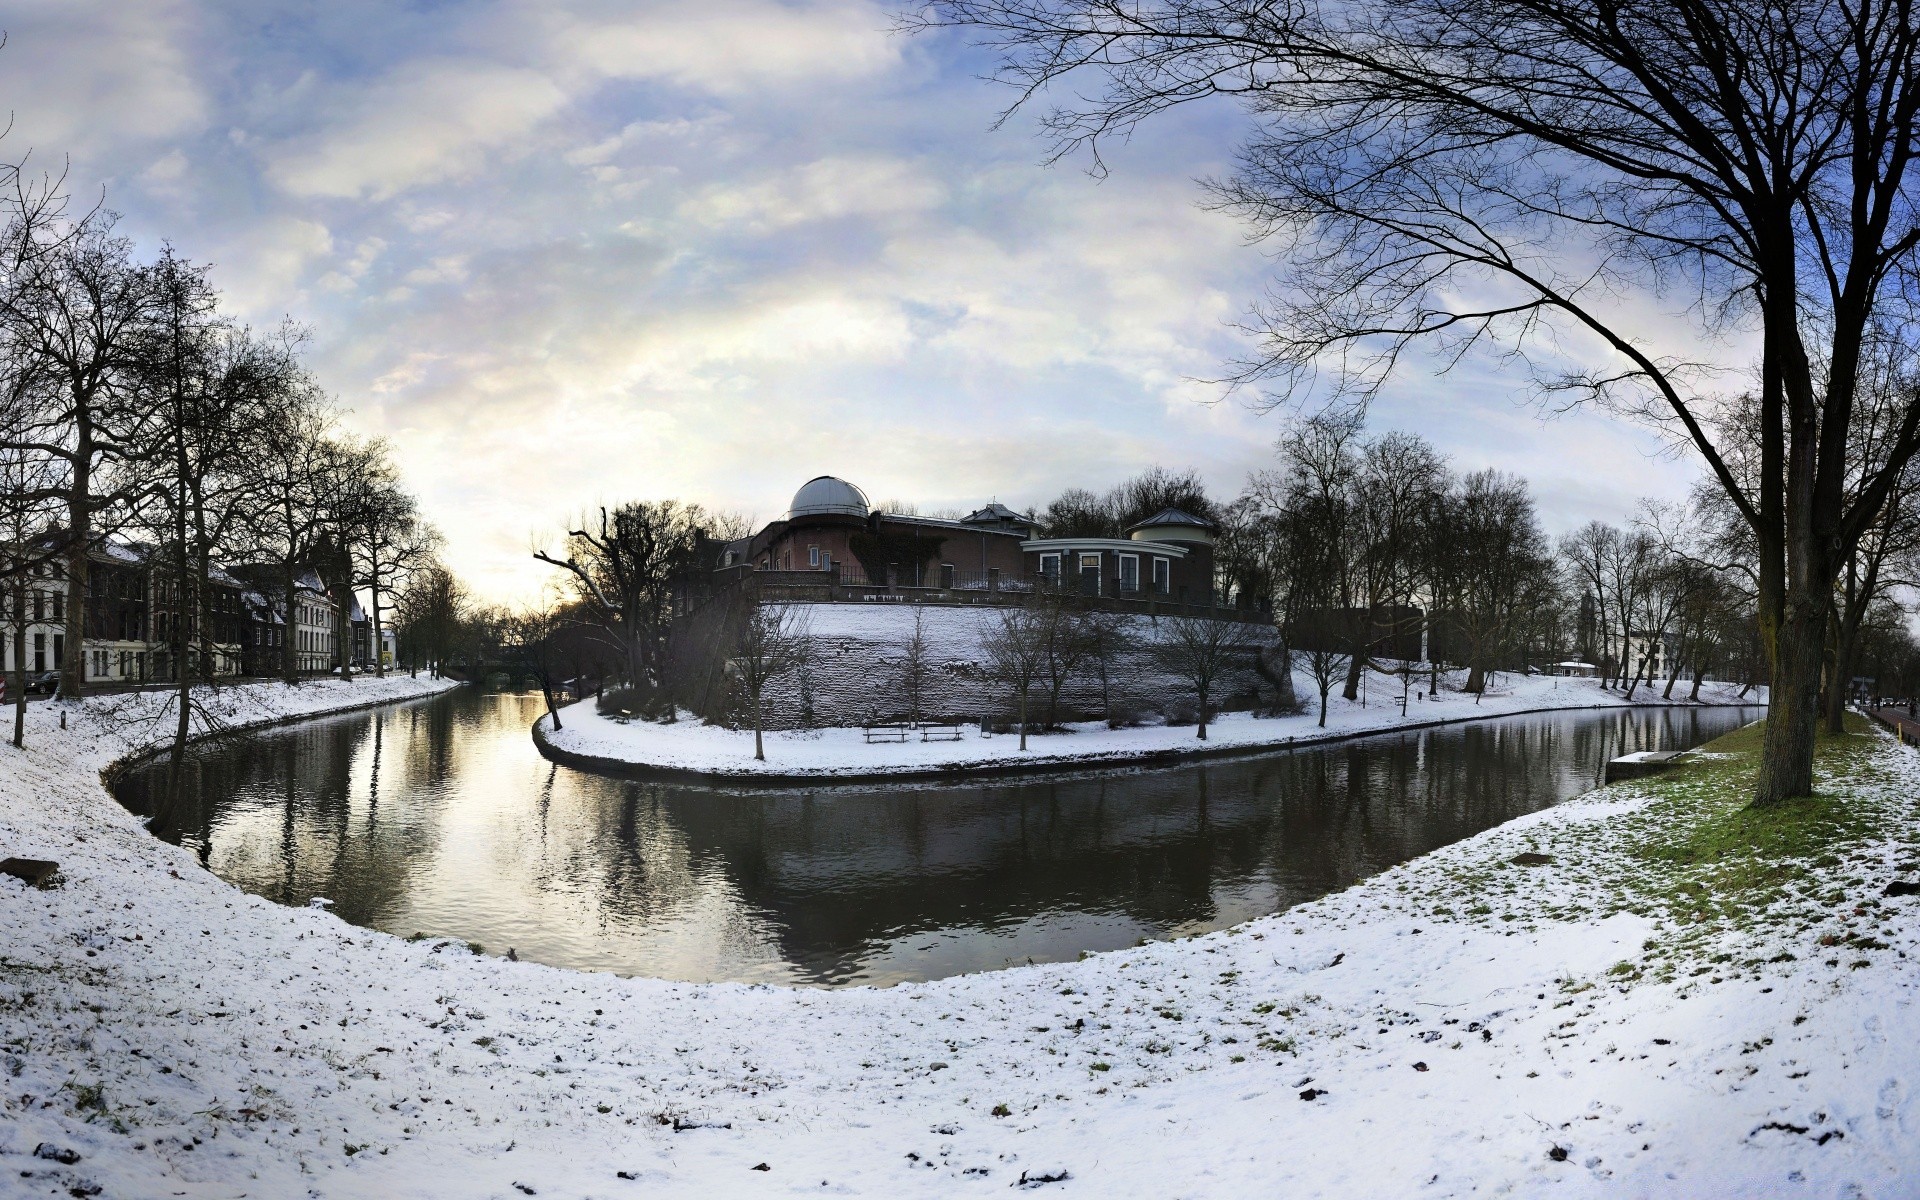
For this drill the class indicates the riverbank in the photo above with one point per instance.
(689, 749)
(1681, 1000)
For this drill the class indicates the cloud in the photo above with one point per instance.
(731, 48)
(134, 80)
(565, 250)
(430, 122)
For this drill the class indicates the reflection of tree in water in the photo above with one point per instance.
(296, 812)
(356, 808)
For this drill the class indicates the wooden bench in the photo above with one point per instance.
(895, 731)
(941, 731)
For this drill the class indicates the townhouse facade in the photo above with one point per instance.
(135, 612)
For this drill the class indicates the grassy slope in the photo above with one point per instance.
(1730, 887)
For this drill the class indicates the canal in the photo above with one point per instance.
(439, 817)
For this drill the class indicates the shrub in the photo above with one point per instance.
(647, 703)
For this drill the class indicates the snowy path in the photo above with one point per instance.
(693, 748)
(184, 1039)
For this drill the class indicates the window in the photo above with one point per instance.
(1162, 575)
(1050, 566)
(813, 556)
(1129, 572)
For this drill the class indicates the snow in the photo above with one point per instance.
(690, 746)
(176, 1037)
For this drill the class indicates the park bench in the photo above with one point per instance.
(941, 731)
(891, 731)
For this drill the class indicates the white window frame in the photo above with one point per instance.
(813, 557)
(1080, 567)
(1051, 572)
(1162, 574)
(1129, 572)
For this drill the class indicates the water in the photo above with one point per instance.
(439, 817)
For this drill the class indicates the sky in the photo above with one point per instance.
(569, 252)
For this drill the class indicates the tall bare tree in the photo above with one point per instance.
(76, 305)
(773, 640)
(626, 565)
(1200, 651)
(1454, 173)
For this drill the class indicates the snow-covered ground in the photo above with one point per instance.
(1456, 1025)
(691, 746)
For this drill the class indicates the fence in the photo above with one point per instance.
(847, 585)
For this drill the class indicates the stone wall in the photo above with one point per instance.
(859, 659)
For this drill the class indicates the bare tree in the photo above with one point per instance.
(1015, 643)
(1500, 172)
(1200, 650)
(536, 641)
(626, 564)
(916, 666)
(1064, 641)
(76, 305)
(301, 471)
(773, 639)
(215, 387)
(432, 611)
(1505, 576)
(387, 540)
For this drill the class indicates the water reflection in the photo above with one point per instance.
(439, 817)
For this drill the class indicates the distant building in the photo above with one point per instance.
(1170, 554)
(831, 527)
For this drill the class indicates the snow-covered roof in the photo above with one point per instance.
(1172, 516)
(826, 495)
(992, 513)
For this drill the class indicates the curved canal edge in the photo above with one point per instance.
(618, 768)
(111, 773)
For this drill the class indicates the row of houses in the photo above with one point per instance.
(136, 610)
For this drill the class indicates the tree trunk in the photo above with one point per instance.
(73, 659)
(546, 689)
(1202, 689)
(1846, 643)
(1023, 718)
(290, 633)
(379, 637)
(759, 750)
(1786, 763)
(1476, 680)
(19, 683)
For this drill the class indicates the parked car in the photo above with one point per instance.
(43, 683)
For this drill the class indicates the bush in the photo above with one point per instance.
(1278, 709)
(1182, 712)
(648, 704)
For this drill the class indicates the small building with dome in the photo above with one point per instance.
(831, 527)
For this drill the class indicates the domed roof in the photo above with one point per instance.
(825, 495)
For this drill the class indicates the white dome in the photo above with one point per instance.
(827, 495)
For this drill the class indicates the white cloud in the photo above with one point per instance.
(430, 122)
(730, 47)
(87, 77)
(823, 190)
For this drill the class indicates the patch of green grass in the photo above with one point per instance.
(1726, 884)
